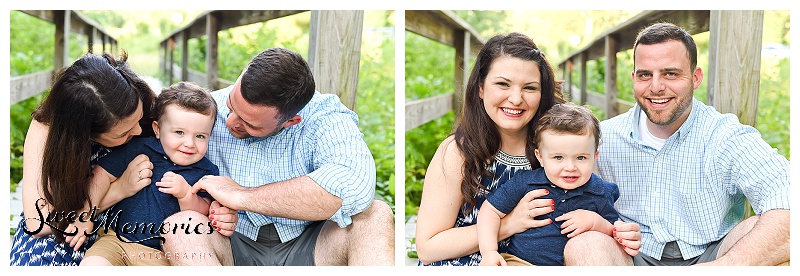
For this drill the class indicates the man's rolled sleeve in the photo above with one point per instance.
(344, 165)
(764, 174)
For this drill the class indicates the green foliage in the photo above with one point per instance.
(375, 105)
(430, 67)
(429, 72)
(487, 23)
(773, 104)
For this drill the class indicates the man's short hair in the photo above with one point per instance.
(663, 32)
(278, 78)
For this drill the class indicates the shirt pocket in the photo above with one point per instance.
(703, 211)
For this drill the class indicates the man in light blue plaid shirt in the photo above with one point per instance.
(684, 171)
(294, 164)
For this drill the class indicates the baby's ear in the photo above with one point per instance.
(155, 129)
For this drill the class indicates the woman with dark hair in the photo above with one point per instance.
(509, 89)
(95, 104)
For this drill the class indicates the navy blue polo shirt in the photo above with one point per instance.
(545, 245)
(132, 217)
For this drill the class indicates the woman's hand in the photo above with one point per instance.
(223, 218)
(629, 236)
(136, 176)
(523, 216)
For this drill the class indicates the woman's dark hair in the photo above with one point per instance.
(87, 98)
(476, 135)
(280, 78)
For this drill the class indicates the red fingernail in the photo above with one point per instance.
(552, 207)
(551, 221)
(554, 202)
(218, 230)
(615, 229)
(547, 192)
(214, 223)
(212, 212)
(211, 217)
(619, 240)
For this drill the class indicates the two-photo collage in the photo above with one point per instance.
(399, 137)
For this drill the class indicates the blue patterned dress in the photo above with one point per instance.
(503, 167)
(27, 250)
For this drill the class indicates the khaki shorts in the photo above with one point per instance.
(512, 260)
(123, 253)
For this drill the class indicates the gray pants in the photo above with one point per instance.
(672, 256)
(269, 251)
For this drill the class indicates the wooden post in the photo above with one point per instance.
(611, 76)
(164, 55)
(92, 34)
(568, 93)
(462, 45)
(212, 66)
(584, 93)
(335, 52)
(734, 62)
(62, 22)
(185, 55)
(171, 60)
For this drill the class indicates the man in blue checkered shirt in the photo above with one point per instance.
(294, 164)
(684, 171)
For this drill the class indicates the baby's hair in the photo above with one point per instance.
(188, 96)
(568, 118)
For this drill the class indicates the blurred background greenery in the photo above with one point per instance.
(139, 33)
(429, 72)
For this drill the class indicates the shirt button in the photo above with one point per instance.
(254, 145)
(563, 200)
(165, 158)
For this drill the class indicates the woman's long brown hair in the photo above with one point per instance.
(87, 99)
(476, 135)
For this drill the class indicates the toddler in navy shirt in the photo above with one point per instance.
(567, 137)
(130, 236)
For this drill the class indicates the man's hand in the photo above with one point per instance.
(629, 236)
(223, 189)
(579, 221)
(223, 218)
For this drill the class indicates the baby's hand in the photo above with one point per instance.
(579, 221)
(83, 229)
(492, 258)
(174, 184)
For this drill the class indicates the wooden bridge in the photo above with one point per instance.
(732, 75)
(734, 89)
(333, 53)
(65, 22)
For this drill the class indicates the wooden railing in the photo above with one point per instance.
(448, 28)
(334, 49)
(734, 44)
(64, 21)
